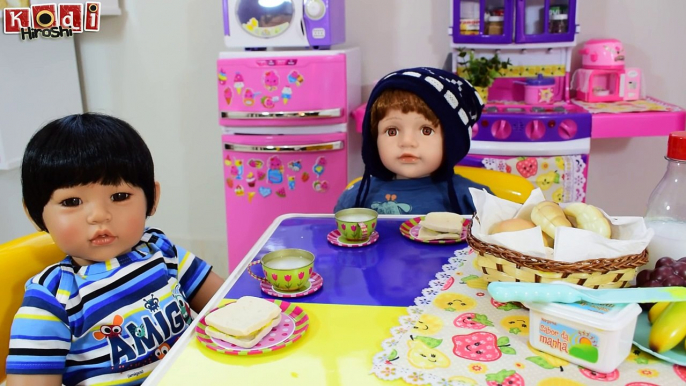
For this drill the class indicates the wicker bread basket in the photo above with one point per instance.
(502, 264)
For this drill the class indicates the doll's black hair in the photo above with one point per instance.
(81, 149)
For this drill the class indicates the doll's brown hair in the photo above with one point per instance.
(405, 101)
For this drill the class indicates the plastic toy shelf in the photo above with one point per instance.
(646, 118)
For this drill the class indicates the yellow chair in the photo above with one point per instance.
(504, 185)
(20, 259)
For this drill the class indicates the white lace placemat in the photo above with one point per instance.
(457, 335)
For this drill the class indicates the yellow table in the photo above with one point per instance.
(324, 356)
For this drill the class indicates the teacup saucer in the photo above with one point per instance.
(314, 284)
(335, 238)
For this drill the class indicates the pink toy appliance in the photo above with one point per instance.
(545, 140)
(279, 156)
(606, 54)
(259, 24)
(603, 77)
(285, 89)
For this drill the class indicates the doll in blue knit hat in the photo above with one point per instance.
(416, 127)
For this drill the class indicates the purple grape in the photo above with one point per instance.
(652, 283)
(683, 259)
(673, 281)
(679, 269)
(664, 261)
(643, 277)
(661, 273)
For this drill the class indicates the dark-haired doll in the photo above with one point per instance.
(113, 307)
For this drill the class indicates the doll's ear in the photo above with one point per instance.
(26, 211)
(157, 198)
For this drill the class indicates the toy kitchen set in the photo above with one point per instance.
(540, 115)
(284, 113)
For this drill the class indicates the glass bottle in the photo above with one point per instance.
(666, 213)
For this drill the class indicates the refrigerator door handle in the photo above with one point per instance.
(335, 145)
(326, 113)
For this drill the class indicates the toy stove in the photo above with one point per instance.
(546, 143)
(532, 123)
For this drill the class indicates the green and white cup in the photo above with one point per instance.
(356, 224)
(286, 269)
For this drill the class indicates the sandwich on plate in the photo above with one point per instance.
(244, 322)
(441, 226)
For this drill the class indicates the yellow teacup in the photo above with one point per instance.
(286, 269)
(356, 224)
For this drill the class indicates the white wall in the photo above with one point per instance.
(156, 69)
(623, 172)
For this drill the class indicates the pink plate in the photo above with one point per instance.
(410, 229)
(313, 285)
(335, 238)
(294, 323)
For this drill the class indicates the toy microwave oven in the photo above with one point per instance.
(261, 24)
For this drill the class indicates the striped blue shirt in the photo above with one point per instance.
(109, 322)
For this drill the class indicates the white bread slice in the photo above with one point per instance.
(428, 234)
(243, 317)
(446, 222)
(245, 342)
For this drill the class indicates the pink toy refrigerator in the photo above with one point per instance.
(284, 118)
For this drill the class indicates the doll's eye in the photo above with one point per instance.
(391, 132)
(120, 197)
(71, 202)
(427, 131)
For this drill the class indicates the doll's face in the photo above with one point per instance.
(95, 222)
(409, 144)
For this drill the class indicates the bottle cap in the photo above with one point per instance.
(676, 145)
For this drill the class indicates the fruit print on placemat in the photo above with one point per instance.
(458, 335)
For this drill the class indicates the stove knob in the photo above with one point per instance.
(475, 130)
(501, 129)
(535, 130)
(567, 129)
(315, 9)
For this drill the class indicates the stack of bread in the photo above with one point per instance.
(243, 323)
(441, 226)
(549, 216)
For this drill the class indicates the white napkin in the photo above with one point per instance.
(629, 234)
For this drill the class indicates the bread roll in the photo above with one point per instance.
(513, 225)
(588, 217)
(548, 215)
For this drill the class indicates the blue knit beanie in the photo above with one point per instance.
(454, 101)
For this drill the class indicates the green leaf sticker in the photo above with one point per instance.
(508, 350)
(503, 340)
(541, 362)
(483, 319)
(428, 341)
(450, 309)
(500, 376)
(393, 355)
(509, 307)
(468, 278)
(557, 178)
(642, 361)
(515, 330)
